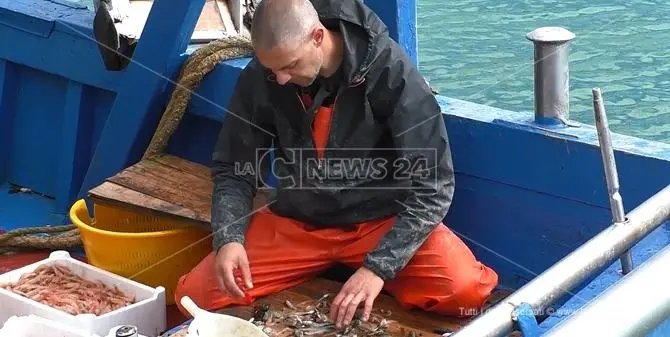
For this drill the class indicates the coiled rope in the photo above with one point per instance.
(199, 64)
(21, 239)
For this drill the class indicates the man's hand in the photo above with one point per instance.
(363, 285)
(230, 258)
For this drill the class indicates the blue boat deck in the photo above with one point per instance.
(20, 210)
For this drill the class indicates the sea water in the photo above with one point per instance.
(476, 50)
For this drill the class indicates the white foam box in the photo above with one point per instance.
(147, 313)
(35, 326)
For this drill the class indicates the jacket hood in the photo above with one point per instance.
(362, 31)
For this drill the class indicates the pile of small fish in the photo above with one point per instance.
(57, 286)
(311, 319)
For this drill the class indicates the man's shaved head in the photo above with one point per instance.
(282, 22)
(290, 40)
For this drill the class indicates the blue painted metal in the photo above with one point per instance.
(65, 51)
(25, 210)
(137, 108)
(551, 122)
(76, 146)
(7, 95)
(35, 146)
(400, 18)
(524, 318)
(519, 184)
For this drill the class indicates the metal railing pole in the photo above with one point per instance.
(632, 307)
(573, 269)
(609, 164)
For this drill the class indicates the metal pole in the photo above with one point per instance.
(633, 307)
(573, 269)
(552, 89)
(609, 164)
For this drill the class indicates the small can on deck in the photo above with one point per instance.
(126, 331)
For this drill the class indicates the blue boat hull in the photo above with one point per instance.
(525, 196)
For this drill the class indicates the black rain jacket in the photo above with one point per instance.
(387, 152)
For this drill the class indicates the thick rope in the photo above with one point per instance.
(34, 230)
(199, 64)
(47, 237)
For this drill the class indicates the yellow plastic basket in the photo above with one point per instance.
(149, 249)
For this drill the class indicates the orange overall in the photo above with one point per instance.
(443, 276)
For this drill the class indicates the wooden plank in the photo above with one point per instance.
(184, 165)
(167, 184)
(198, 183)
(211, 23)
(432, 324)
(121, 196)
(187, 190)
(226, 17)
(403, 322)
(210, 19)
(206, 36)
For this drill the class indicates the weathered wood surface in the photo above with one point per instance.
(117, 195)
(422, 323)
(167, 185)
(172, 185)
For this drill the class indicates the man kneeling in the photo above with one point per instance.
(363, 166)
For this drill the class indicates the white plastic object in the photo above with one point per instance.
(208, 324)
(147, 313)
(35, 326)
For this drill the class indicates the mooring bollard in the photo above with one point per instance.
(551, 75)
